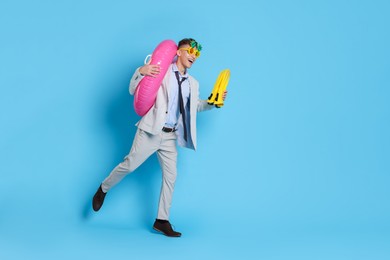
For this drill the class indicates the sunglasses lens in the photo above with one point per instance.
(192, 51)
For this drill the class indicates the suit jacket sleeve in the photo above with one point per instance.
(204, 106)
(135, 80)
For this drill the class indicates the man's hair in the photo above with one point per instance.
(186, 41)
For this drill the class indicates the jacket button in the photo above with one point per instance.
(166, 112)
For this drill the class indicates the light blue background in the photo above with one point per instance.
(294, 166)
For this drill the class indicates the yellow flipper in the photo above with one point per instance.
(222, 88)
(214, 93)
(219, 88)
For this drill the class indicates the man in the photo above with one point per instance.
(171, 119)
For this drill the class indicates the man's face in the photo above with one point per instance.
(187, 55)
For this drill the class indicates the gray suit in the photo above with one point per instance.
(150, 139)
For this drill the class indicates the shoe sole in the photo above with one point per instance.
(164, 233)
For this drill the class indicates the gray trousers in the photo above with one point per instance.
(144, 145)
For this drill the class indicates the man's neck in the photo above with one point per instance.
(181, 68)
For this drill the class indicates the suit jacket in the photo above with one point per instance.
(154, 120)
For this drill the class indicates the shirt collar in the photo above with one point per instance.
(174, 68)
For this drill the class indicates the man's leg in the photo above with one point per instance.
(167, 156)
(144, 145)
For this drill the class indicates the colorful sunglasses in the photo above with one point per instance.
(191, 51)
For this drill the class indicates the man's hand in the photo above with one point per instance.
(224, 95)
(150, 70)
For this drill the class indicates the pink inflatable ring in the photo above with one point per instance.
(146, 92)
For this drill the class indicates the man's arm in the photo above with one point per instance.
(137, 77)
(203, 105)
(140, 73)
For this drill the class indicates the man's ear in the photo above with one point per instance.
(178, 53)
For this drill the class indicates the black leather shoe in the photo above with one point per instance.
(98, 199)
(165, 227)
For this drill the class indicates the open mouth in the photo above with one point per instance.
(191, 61)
